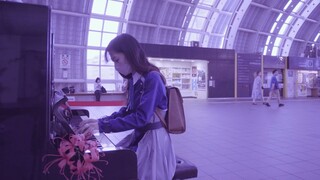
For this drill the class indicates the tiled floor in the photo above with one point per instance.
(237, 140)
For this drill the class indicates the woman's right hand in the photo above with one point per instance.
(88, 127)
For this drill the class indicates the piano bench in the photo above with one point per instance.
(185, 169)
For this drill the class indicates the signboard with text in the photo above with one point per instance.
(247, 65)
(301, 63)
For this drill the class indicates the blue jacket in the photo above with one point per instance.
(144, 96)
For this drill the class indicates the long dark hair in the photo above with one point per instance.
(130, 47)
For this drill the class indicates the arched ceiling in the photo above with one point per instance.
(271, 27)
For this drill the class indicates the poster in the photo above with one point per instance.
(194, 71)
(65, 61)
(201, 79)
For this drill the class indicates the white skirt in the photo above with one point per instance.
(155, 154)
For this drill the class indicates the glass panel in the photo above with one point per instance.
(99, 6)
(268, 40)
(277, 42)
(194, 37)
(114, 8)
(93, 57)
(265, 50)
(106, 38)
(289, 20)
(187, 37)
(283, 29)
(107, 72)
(273, 27)
(90, 87)
(207, 2)
(297, 8)
(202, 12)
(95, 24)
(287, 5)
(111, 26)
(317, 37)
(221, 43)
(279, 17)
(198, 23)
(221, 27)
(109, 86)
(92, 72)
(192, 21)
(275, 51)
(231, 5)
(94, 38)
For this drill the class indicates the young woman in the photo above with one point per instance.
(146, 92)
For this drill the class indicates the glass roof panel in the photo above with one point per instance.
(279, 17)
(95, 24)
(287, 5)
(201, 12)
(265, 50)
(317, 37)
(273, 27)
(220, 26)
(192, 36)
(275, 51)
(230, 5)
(106, 38)
(298, 7)
(277, 42)
(114, 8)
(99, 6)
(111, 26)
(94, 38)
(268, 40)
(283, 29)
(207, 2)
(197, 23)
(289, 20)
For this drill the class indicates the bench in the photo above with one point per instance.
(185, 169)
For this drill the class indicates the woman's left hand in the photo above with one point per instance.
(88, 127)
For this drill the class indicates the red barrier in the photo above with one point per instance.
(96, 103)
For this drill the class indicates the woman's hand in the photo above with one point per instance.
(88, 127)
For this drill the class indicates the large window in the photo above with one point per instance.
(102, 29)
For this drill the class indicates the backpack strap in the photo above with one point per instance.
(161, 115)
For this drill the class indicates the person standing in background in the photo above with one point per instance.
(257, 89)
(274, 89)
(97, 88)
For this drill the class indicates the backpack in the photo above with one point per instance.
(174, 120)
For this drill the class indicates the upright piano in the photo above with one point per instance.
(121, 163)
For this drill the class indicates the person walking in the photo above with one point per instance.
(274, 89)
(147, 92)
(257, 89)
